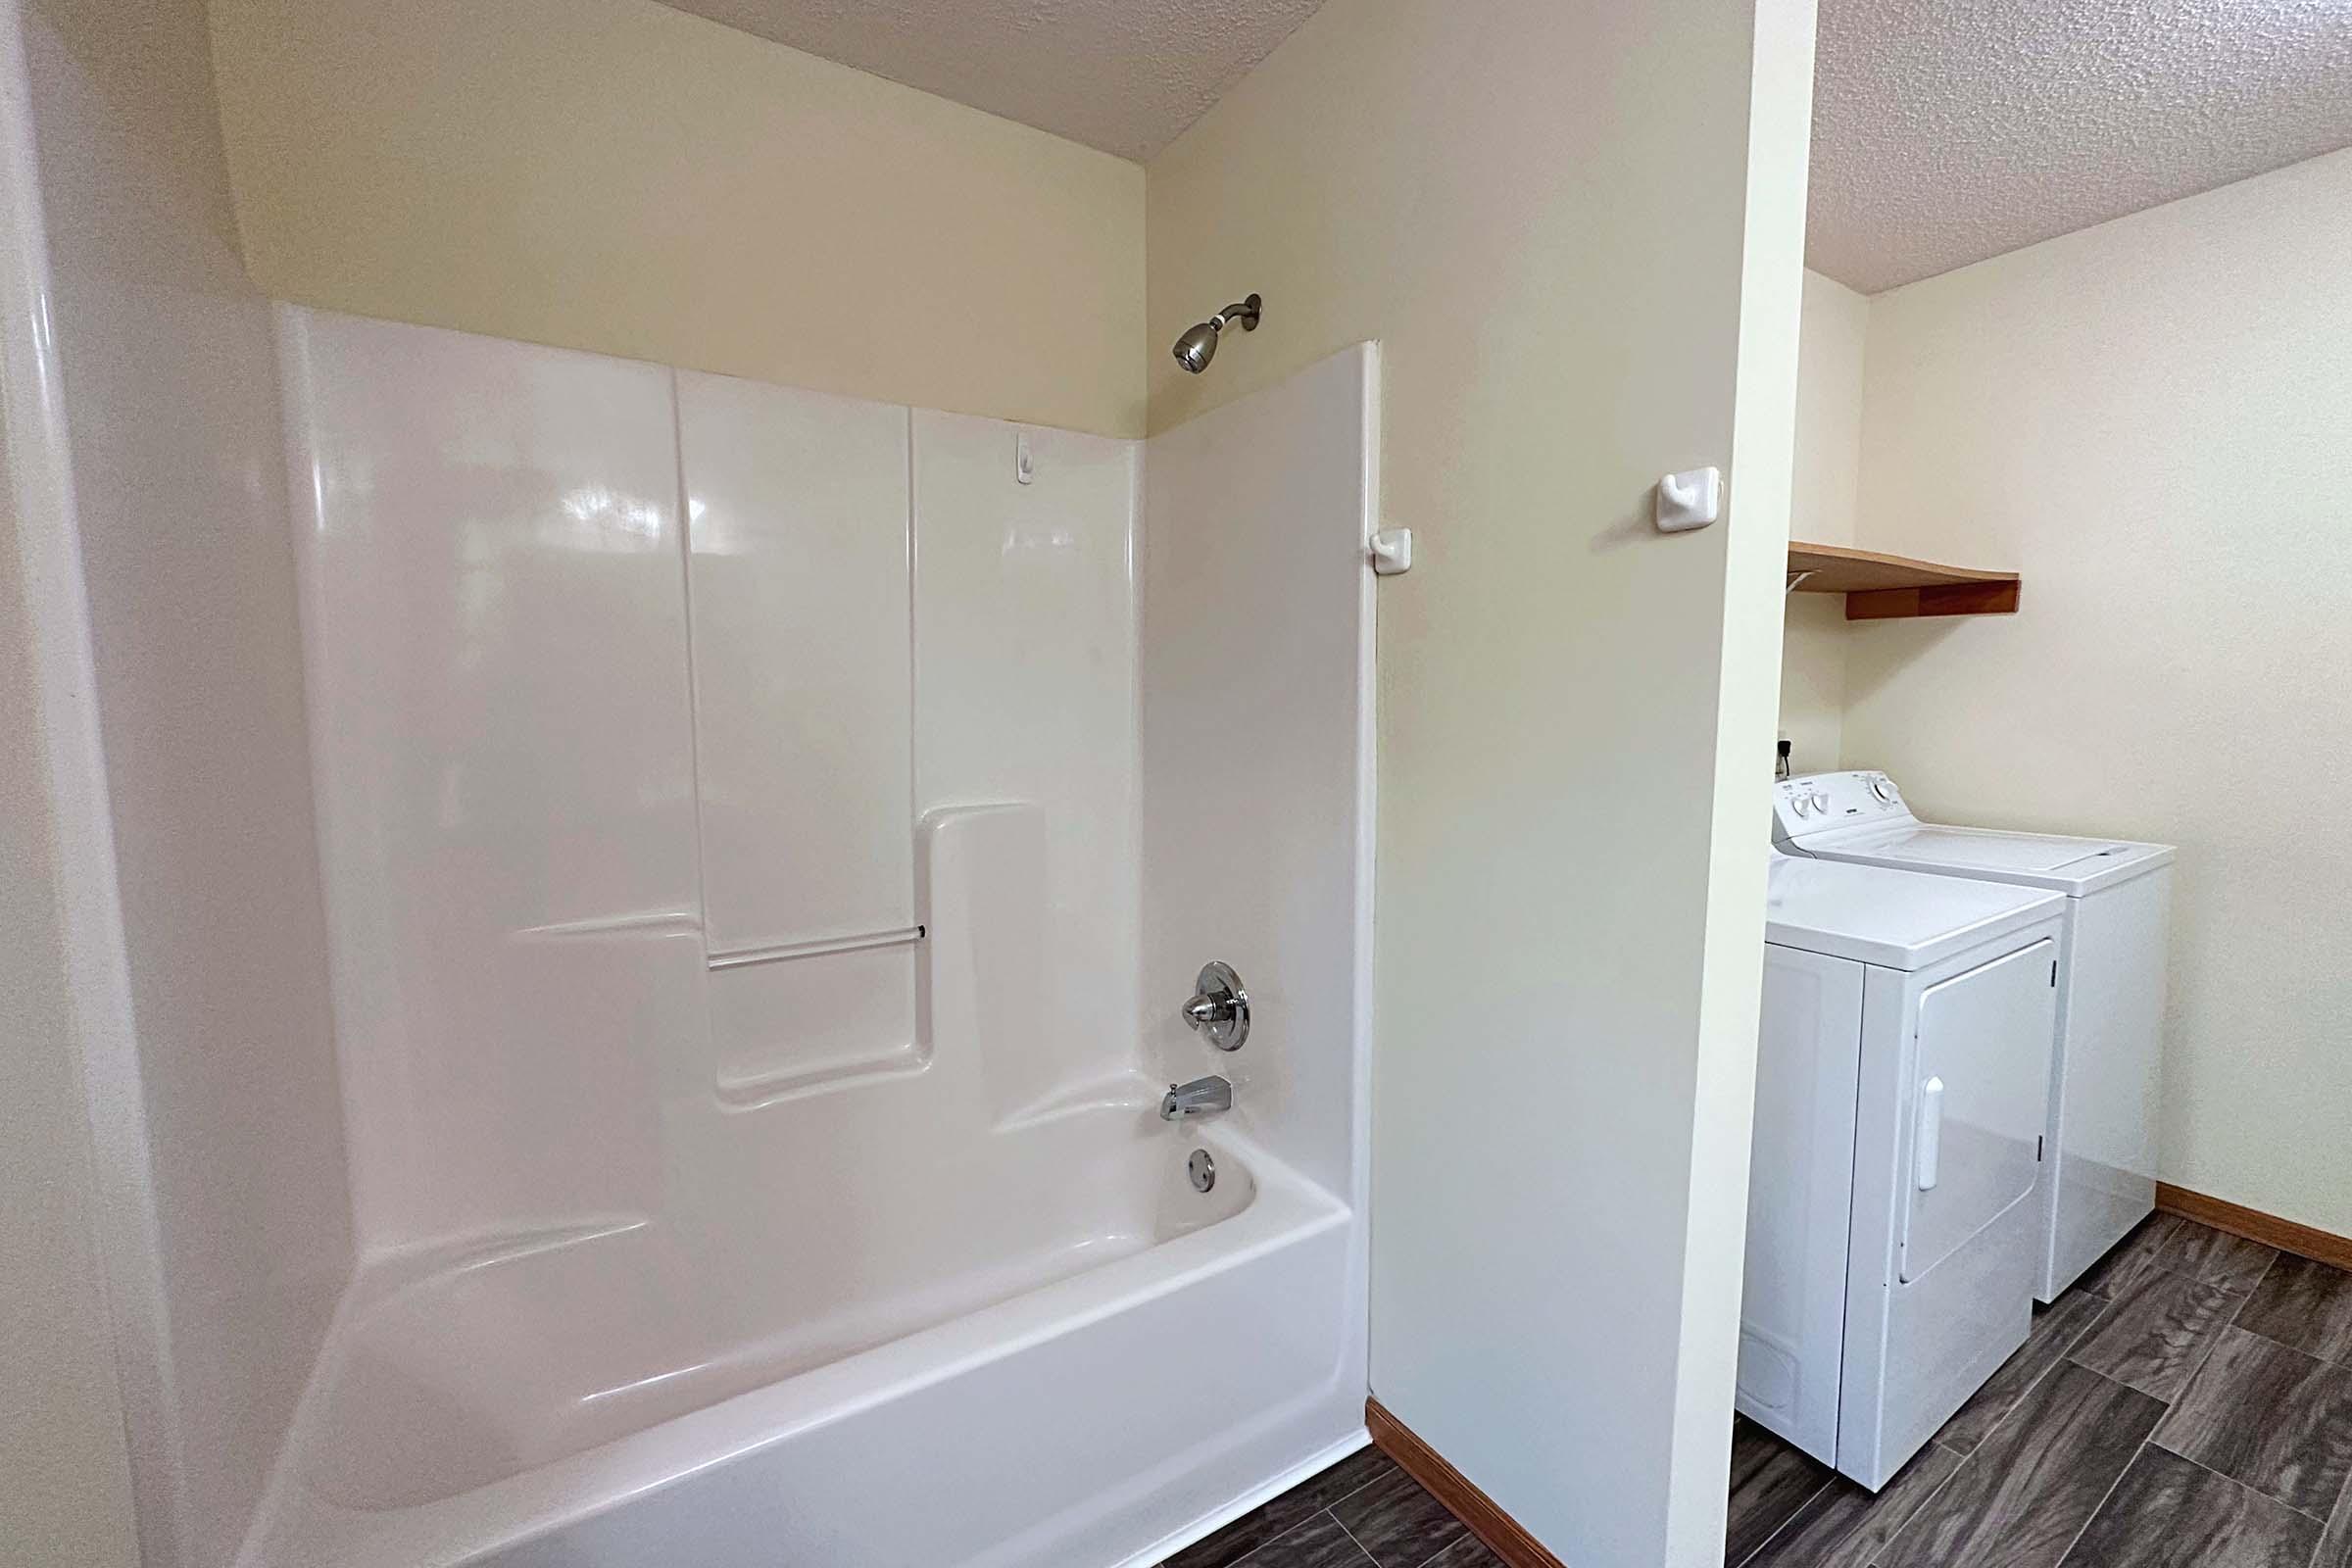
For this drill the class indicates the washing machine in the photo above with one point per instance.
(1902, 1069)
(2106, 1072)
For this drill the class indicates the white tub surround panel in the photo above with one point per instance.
(798, 520)
(786, 1026)
(1256, 845)
(799, 579)
(1258, 808)
(1025, 648)
(495, 638)
(698, 1168)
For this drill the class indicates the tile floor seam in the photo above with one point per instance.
(1470, 1534)
(2343, 1501)
(2316, 1360)
(1332, 1506)
(2274, 1339)
(2256, 1290)
(2105, 1306)
(2065, 1357)
(2189, 1377)
(2091, 1517)
(1887, 1547)
(2327, 1526)
(2120, 1384)
(2202, 1359)
(1757, 1550)
(1361, 1549)
(2190, 1459)
(2321, 1361)
(1243, 1560)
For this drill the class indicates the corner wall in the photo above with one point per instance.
(1554, 272)
(620, 176)
(2151, 420)
(1828, 481)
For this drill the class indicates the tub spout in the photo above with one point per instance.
(1197, 1098)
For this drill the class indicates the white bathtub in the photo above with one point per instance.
(614, 1398)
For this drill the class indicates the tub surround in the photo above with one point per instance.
(731, 803)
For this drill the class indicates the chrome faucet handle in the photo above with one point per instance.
(1219, 1008)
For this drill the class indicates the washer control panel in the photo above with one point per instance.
(1814, 801)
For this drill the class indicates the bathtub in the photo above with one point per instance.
(615, 1394)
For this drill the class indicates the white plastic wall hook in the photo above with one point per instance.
(1690, 499)
(1393, 552)
(1024, 466)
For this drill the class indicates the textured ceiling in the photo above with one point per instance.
(1949, 131)
(1125, 76)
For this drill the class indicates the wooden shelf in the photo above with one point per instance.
(1881, 587)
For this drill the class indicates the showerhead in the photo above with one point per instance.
(1198, 345)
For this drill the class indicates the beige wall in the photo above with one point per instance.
(613, 174)
(2152, 420)
(1563, 1038)
(1829, 476)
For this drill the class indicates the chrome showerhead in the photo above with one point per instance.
(1198, 345)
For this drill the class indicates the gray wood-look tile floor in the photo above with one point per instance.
(2189, 1401)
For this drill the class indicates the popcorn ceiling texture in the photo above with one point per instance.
(1946, 131)
(1125, 77)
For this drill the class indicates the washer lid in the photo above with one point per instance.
(2073, 865)
(1895, 919)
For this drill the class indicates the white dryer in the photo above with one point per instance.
(2099, 1179)
(1901, 1073)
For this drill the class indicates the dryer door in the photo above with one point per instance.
(1978, 1101)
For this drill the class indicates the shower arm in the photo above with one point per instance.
(1242, 310)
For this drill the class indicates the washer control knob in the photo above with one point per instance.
(1821, 802)
(1883, 790)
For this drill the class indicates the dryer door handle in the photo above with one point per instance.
(1928, 1146)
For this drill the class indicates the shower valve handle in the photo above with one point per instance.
(1219, 1008)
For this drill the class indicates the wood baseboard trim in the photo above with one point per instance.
(2288, 1236)
(1503, 1535)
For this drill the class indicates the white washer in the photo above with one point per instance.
(2106, 1074)
(1901, 1073)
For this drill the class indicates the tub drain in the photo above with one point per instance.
(1202, 1170)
